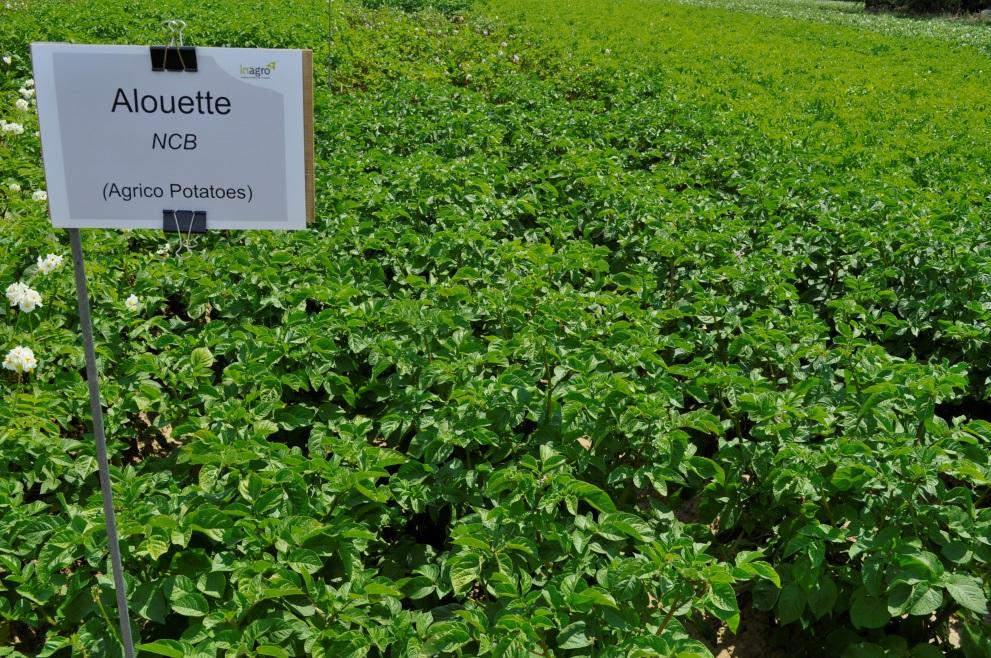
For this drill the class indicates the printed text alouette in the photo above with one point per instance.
(204, 103)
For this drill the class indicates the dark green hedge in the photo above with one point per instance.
(445, 6)
(927, 6)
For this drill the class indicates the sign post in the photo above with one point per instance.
(173, 138)
(96, 411)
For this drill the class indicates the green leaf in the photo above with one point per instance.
(707, 469)
(864, 650)
(593, 595)
(170, 648)
(279, 592)
(593, 495)
(210, 521)
(262, 428)
(872, 574)
(723, 604)
(382, 589)
(149, 602)
(975, 640)
(201, 360)
(919, 599)
(868, 611)
(419, 587)
(156, 544)
(927, 651)
(850, 476)
(502, 480)
(765, 595)
(723, 597)
(190, 604)
(822, 597)
(958, 552)
(894, 645)
(271, 650)
(303, 560)
(53, 646)
(766, 571)
(464, 570)
(573, 636)
(968, 592)
(212, 584)
(791, 603)
(630, 525)
(446, 636)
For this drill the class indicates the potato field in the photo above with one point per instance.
(625, 328)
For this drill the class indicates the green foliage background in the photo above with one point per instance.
(616, 317)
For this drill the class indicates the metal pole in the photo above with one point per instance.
(101, 443)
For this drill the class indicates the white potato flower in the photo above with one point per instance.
(14, 128)
(21, 105)
(14, 187)
(133, 304)
(39, 195)
(20, 359)
(23, 297)
(15, 291)
(30, 300)
(7, 60)
(26, 93)
(49, 263)
(29, 83)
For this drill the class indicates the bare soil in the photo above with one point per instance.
(753, 638)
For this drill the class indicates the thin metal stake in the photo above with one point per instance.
(101, 443)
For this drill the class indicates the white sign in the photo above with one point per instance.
(122, 143)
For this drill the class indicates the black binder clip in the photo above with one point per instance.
(175, 56)
(184, 221)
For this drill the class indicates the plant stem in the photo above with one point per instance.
(112, 625)
(669, 615)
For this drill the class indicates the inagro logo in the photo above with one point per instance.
(264, 71)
